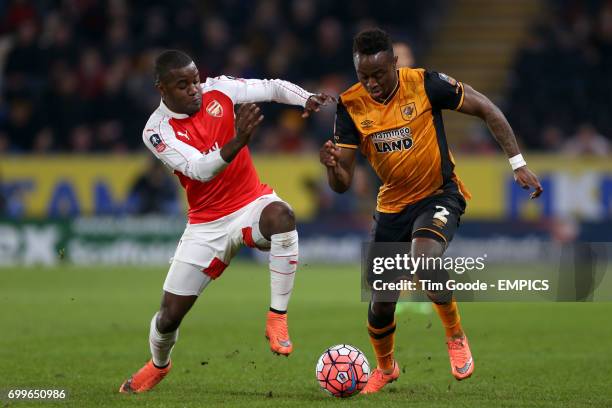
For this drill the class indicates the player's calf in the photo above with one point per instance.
(173, 309)
(277, 223)
(161, 342)
(283, 266)
(381, 331)
(163, 334)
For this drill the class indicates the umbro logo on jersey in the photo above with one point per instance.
(157, 142)
(366, 124)
(215, 109)
(183, 134)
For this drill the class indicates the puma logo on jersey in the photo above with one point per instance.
(394, 140)
(183, 134)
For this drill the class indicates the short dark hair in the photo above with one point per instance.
(169, 60)
(372, 41)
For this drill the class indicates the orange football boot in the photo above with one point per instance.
(378, 379)
(277, 334)
(145, 379)
(461, 361)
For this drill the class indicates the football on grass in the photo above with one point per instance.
(342, 370)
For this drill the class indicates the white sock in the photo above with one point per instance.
(161, 344)
(283, 264)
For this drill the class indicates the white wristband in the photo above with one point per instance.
(517, 161)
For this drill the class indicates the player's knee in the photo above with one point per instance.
(381, 314)
(168, 320)
(427, 247)
(284, 218)
(440, 297)
(276, 218)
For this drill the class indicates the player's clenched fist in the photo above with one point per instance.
(329, 154)
(248, 118)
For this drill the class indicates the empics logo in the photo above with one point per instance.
(394, 140)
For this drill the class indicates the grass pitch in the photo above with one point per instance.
(85, 330)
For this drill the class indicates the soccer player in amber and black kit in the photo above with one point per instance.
(393, 116)
(195, 133)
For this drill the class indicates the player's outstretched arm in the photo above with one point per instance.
(340, 164)
(477, 104)
(270, 90)
(248, 118)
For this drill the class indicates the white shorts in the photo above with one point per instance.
(206, 249)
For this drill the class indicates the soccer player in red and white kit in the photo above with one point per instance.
(195, 133)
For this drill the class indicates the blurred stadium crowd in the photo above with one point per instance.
(77, 74)
(559, 99)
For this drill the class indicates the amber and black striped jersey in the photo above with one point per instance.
(403, 138)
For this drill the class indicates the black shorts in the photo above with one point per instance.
(434, 217)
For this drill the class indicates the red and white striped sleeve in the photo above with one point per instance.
(161, 140)
(258, 90)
